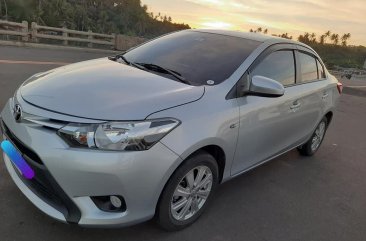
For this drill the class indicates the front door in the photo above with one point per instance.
(268, 125)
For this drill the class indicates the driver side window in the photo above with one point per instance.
(279, 66)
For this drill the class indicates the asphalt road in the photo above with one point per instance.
(290, 198)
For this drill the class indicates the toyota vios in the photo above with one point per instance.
(153, 131)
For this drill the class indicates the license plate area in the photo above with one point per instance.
(17, 159)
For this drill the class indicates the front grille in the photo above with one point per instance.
(43, 184)
(18, 144)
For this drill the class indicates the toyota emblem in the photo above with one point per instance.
(18, 113)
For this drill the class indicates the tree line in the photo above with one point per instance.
(103, 16)
(130, 17)
(309, 38)
(332, 47)
(334, 38)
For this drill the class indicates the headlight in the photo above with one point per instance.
(118, 136)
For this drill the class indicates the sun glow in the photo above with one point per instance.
(217, 25)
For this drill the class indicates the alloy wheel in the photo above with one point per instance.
(318, 136)
(191, 193)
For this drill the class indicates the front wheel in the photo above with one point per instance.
(310, 147)
(188, 192)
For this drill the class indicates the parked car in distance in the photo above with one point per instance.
(152, 132)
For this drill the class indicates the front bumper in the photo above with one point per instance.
(71, 176)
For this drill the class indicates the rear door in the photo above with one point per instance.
(313, 92)
(328, 91)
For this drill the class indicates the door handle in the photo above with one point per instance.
(232, 126)
(295, 105)
(325, 95)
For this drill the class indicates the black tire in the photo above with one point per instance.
(306, 149)
(164, 214)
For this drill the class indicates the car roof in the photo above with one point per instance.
(246, 35)
(263, 38)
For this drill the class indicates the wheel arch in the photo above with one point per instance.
(218, 154)
(329, 117)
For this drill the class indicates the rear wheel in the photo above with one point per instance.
(310, 147)
(188, 192)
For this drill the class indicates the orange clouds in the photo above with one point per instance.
(279, 16)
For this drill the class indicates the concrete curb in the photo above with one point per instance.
(55, 47)
(354, 91)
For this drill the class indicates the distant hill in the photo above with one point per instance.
(102, 16)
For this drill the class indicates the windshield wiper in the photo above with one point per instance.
(149, 66)
(129, 62)
(159, 68)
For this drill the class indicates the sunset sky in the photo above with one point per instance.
(279, 16)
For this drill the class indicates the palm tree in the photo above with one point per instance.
(307, 37)
(327, 35)
(348, 36)
(285, 35)
(344, 38)
(300, 38)
(335, 38)
(265, 31)
(259, 30)
(322, 39)
(157, 16)
(313, 38)
(251, 30)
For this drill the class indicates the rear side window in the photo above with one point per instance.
(309, 69)
(321, 72)
(279, 66)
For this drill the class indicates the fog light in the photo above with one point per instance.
(116, 202)
(112, 203)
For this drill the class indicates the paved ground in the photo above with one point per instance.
(355, 86)
(291, 198)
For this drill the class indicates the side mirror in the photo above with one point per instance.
(266, 87)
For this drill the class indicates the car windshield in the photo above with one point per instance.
(198, 57)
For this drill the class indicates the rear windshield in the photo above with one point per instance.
(197, 56)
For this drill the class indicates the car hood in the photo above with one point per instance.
(106, 90)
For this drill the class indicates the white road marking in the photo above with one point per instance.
(5, 61)
(356, 86)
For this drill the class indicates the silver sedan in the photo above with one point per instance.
(153, 131)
